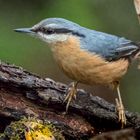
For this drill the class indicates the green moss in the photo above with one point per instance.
(2, 136)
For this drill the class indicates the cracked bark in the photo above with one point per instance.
(25, 94)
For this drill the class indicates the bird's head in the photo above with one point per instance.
(53, 30)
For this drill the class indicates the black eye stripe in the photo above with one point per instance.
(58, 31)
(63, 30)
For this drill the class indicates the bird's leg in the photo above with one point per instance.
(120, 108)
(71, 93)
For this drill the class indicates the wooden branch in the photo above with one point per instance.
(25, 94)
(137, 7)
(127, 134)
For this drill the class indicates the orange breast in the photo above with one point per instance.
(87, 67)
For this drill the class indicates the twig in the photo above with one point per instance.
(137, 6)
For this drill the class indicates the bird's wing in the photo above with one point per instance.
(109, 46)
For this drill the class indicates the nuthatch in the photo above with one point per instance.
(87, 56)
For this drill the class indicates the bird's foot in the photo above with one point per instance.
(121, 113)
(71, 93)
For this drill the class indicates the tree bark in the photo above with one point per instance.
(25, 94)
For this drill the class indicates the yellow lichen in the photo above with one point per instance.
(37, 135)
(32, 129)
(38, 131)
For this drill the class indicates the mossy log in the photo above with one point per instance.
(25, 94)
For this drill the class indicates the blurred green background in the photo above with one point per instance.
(112, 16)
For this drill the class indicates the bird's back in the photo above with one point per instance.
(108, 46)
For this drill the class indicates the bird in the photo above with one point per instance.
(87, 56)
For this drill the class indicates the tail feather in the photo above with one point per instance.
(137, 54)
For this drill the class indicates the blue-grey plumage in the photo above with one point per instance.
(109, 46)
(86, 55)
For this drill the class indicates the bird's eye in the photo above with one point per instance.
(49, 31)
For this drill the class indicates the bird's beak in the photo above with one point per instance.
(24, 30)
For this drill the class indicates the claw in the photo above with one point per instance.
(121, 113)
(120, 109)
(71, 93)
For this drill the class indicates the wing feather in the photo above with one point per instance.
(110, 47)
